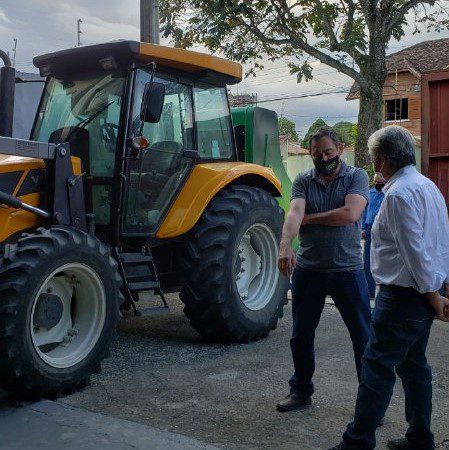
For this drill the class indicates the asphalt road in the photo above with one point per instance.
(161, 374)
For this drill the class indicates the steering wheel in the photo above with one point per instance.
(109, 132)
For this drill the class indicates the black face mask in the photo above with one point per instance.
(379, 186)
(327, 167)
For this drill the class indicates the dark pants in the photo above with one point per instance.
(309, 289)
(399, 334)
(367, 263)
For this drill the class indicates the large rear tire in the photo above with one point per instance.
(59, 307)
(234, 292)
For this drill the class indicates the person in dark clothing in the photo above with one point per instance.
(369, 214)
(326, 208)
(410, 261)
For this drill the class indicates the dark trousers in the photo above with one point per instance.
(367, 263)
(309, 289)
(399, 333)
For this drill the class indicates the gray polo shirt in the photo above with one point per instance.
(325, 248)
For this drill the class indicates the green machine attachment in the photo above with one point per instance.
(257, 137)
(257, 134)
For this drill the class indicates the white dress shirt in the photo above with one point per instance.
(410, 235)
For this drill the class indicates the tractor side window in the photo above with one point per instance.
(213, 123)
(176, 124)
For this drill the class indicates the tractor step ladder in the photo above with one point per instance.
(139, 275)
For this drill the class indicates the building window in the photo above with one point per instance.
(396, 109)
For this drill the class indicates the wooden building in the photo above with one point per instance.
(402, 90)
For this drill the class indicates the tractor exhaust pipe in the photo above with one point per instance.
(7, 87)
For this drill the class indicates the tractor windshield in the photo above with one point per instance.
(87, 109)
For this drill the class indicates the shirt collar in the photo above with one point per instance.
(405, 171)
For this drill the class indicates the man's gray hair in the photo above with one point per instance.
(395, 144)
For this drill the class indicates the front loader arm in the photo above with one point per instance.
(64, 187)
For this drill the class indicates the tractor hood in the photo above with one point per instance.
(21, 176)
(24, 178)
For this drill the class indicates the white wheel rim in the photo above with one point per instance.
(255, 272)
(83, 299)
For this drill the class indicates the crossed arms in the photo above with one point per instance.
(349, 213)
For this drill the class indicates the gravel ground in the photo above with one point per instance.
(162, 374)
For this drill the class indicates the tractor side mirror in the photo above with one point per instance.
(152, 102)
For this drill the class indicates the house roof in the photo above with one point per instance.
(295, 148)
(427, 56)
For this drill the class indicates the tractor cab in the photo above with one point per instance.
(138, 116)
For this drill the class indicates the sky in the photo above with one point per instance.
(43, 26)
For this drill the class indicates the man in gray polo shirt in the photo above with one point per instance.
(326, 207)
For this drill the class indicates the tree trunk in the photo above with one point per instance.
(374, 73)
(370, 119)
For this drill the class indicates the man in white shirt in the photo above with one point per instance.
(410, 261)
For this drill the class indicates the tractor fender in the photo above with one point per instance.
(203, 183)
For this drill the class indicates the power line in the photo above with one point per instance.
(295, 97)
(323, 116)
(281, 79)
(271, 77)
(289, 94)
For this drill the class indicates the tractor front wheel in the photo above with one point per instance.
(234, 291)
(59, 307)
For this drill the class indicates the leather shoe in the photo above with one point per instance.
(404, 444)
(293, 401)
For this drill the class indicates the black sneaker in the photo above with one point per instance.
(293, 401)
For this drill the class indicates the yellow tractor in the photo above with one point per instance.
(131, 182)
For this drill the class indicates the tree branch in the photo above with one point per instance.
(328, 29)
(350, 12)
(321, 56)
(397, 15)
(324, 58)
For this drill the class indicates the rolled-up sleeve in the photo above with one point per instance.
(407, 229)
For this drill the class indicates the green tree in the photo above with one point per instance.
(345, 131)
(288, 127)
(315, 125)
(350, 36)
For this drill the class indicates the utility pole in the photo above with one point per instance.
(79, 32)
(149, 21)
(14, 49)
